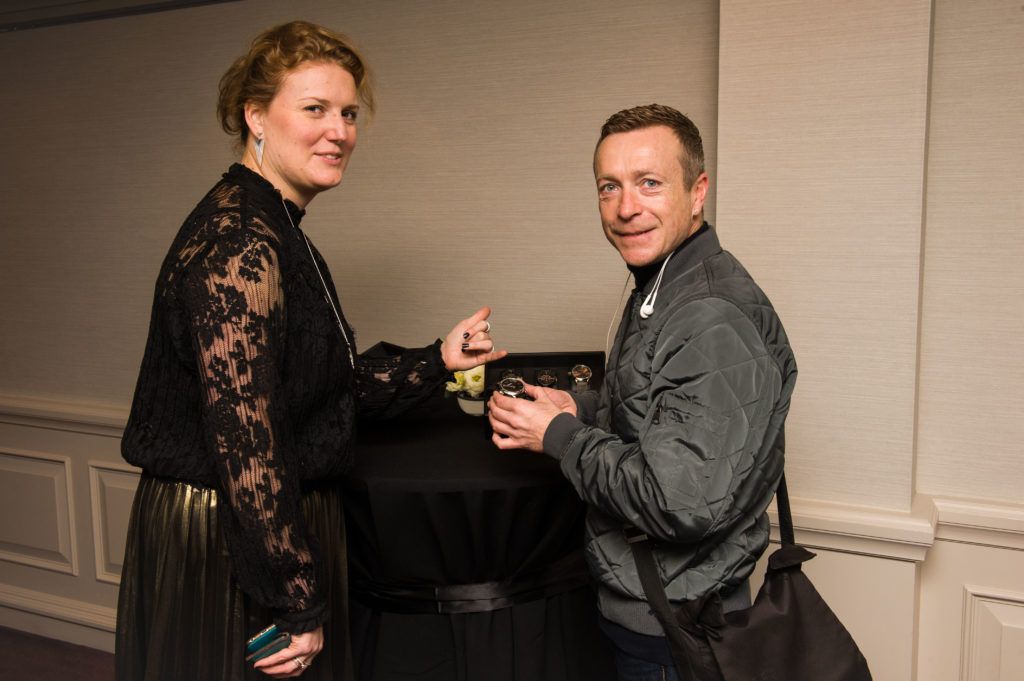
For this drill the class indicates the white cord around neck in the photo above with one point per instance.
(611, 322)
(327, 293)
(647, 309)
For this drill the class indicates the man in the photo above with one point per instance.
(684, 441)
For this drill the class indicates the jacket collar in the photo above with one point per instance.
(694, 250)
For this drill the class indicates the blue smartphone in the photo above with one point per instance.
(265, 643)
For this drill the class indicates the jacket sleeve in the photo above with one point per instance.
(236, 309)
(695, 468)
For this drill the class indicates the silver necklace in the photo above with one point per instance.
(327, 293)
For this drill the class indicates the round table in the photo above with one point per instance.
(465, 561)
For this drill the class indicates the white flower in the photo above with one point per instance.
(458, 385)
(474, 381)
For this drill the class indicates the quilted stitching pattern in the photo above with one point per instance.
(692, 397)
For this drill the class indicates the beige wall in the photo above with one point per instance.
(972, 307)
(822, 119)
(475, 174)
(868, 173)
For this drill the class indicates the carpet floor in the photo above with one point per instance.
(27, 657)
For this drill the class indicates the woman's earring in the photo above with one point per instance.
(259, 152)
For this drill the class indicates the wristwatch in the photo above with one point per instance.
(513, 387)
(546, 378)
(581, 375)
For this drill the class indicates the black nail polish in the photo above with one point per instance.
(465, 346)
(466, 335)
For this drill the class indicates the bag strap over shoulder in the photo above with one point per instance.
(785, 516)
(681, 640)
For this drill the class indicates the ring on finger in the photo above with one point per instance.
(488, 328)
(300, 663)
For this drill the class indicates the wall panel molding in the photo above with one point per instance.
(58, 607)
(25, 479)
(978, 522)
(108, 481)
(862, 530)
(76, 417)
(993, 635)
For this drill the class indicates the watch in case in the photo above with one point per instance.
(581, 375)
(546, 378)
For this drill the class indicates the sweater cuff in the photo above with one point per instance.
(586, 406)
(560, 431)
(302, 621)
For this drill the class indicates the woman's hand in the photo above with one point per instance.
(294, 659)
(469, 344)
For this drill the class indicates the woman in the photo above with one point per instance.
(249, 388)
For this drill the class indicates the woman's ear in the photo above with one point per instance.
(254, 119)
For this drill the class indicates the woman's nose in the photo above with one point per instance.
(338, 130)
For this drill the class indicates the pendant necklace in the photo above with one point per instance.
(323, 282)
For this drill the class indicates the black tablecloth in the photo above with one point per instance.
(431, 503)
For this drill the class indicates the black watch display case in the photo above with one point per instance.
(548, 369)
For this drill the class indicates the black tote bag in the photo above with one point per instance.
(788, 634)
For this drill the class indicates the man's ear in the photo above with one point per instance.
(699, 190)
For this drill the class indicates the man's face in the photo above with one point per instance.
(646, 210)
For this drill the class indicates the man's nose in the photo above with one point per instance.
(628, 205)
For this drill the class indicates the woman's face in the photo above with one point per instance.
(309, 130)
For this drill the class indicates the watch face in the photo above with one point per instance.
(581, 373)
(546, 378)
(511, 386)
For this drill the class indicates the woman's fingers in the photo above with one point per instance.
(475, 322)
(296, 658)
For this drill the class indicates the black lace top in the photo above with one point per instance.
(247, 385)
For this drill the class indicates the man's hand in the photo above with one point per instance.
(522, 422)
(559, 398)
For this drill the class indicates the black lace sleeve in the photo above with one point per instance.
(235, 302)
(390, 379)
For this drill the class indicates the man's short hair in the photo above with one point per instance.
(650, 115)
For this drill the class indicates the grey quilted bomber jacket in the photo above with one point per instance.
(687, 443)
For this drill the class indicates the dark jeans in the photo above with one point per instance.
(701, 666)
(634, 669)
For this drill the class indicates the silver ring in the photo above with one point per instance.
(299, 663)
(488, 329)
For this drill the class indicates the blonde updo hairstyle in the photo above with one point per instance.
(256, 76)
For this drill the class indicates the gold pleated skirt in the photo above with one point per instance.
(181, 614)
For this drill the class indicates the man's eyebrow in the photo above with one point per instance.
(636, 173)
